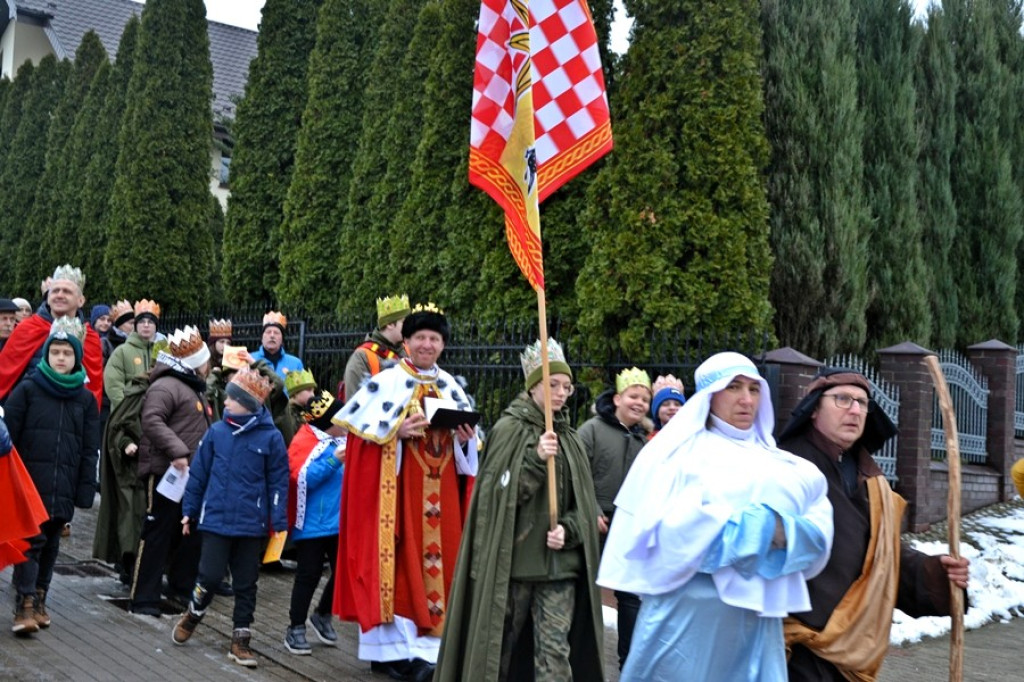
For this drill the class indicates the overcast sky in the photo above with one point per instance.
(246, 13)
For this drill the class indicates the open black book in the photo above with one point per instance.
(444, 414)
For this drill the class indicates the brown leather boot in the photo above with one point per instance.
(240, 652)
(24, 616)
(39, 610)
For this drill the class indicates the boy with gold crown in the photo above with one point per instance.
(55, 425)
(383, 346)
(613, 438)
(237, 493)
(404, 498)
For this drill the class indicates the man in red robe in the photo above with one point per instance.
(23, 349)
(404, 499)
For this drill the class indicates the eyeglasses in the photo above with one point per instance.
(845, 401)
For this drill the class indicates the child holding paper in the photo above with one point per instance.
(237, 492)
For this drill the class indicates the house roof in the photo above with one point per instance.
(67, 21)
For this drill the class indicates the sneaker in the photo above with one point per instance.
(396, 670)
(240, 652)
(24, 616)
(66, 531)
(185, 626)
(39, 610)
(295, 640)
(321, 624)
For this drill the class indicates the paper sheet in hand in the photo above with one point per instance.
(275, 547)
(444, 414)
(172, 485)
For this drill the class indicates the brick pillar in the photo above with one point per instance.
(901, 365)
(998, 362)
(792, 372)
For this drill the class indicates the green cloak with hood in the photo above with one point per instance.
(471, 648)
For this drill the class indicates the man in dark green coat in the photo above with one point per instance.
(511, 563)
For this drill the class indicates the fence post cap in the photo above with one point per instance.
(791, 356)
(906, 348)
(992, 344)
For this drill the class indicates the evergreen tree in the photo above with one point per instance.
(5, 88)
(21, 173)
(9, 120)
(357, 266)
(315, 206)
(216, 227)
(678, 214)
(936, 103)
(887, 48)
(44, 245)
(400, 139)
(267, 128)
(160, 244)
(93, 199)
(987, 198)
(819, 222)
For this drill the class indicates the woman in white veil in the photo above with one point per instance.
(717, 530)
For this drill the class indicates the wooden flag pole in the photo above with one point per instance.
(549, 420)
(956, 635)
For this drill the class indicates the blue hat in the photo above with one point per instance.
(98, 311)
(668, 393)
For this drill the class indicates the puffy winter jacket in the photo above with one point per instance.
(315, 483)
(175, 415)
(59, 440)
(131, 359)
(238, 480)
(611, 448)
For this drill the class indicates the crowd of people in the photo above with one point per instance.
(730, 555)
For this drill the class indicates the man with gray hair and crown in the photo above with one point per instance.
(23, 350)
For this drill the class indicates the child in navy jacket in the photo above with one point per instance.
(237, 493)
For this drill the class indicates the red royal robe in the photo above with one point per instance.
(28, 337)
(431, 500)
(20, 508)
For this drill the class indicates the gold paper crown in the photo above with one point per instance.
(632, 377)
(185, 342)
(430, 307)
(320, 406)
(221, 328)
(252, 382)
(72, 274)
(531, 358)
(65, 327)
(147, 306)
(392, 309)
(121, 308)
(667, 381)
(297, 380)
(274, 317)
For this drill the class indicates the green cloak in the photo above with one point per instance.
(471, 647)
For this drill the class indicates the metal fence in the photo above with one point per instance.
(485, 356)
(969, 392)
(887, 397)
(1018, 413)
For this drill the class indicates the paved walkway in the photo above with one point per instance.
(93, 638)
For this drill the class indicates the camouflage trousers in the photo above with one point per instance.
(550, 606)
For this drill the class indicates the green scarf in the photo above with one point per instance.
(67, 382)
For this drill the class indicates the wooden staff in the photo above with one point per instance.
(956, 635)
(549, 420)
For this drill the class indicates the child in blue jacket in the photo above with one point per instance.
(316, 460)
(237, 493)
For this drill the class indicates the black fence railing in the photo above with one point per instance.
(485, 356)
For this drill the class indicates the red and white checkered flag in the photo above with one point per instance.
(540, 111)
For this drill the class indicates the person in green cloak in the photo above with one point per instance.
(523, 603)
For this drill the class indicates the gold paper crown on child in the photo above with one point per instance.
(70, 273)
(185, 342)
(429, 307)
(667, 381)
(632, 377)
(392, 309)
(147, 306)
(319, 406)
(120, 309)
(297, 380)
(274, 317)
(220, 327)
(65, 327)
(252, 382)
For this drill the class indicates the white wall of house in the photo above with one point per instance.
(25, 41)
(217, 188)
